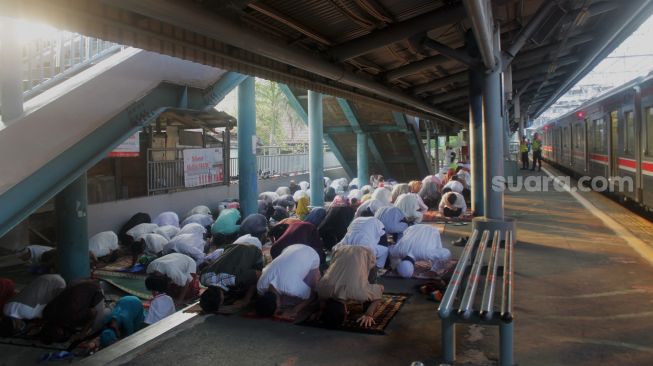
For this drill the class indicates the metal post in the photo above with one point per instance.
(428, 141)
(361, 159)
(247, 180)
(506, 344)
(448, 341)
(476, 139)
(316, 152)
(437, 154)
(11, 75)
(72, 230)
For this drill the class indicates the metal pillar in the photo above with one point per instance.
(247, 178)
(476, 139)
(506, 357)
(492, 145)
(448, 340)
(316, 152)
(361, 159)
(437, 154)
(72, 230)
(11, 83)
(428, 141)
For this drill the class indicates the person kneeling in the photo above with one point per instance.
(348, 281)
(419, 243)
(289, 278)
(452, 205)
(235, 273)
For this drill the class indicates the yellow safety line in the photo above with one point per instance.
(643, 249)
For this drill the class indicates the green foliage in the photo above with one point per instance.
(271, 110)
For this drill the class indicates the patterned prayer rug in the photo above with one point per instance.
(131, 283)
(384, 313)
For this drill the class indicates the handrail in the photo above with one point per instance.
(508, 286)
(447, 301)
(490, 279)
(465, 309)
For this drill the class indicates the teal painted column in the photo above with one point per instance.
(72, 230)
(247, 179)
(361, 159)
(316, 152)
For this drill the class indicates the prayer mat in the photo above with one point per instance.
(423, 270)
(121, 264)
(387, 309)
(131, 283)
(434, 216)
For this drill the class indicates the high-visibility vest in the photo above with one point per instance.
(523, 147)
(536, 145)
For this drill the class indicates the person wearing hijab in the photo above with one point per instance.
(394, 222)
(255, 225)
(409, 203)
(286, 201)
(268, 197)
(225, 229)
(290, 278)
(334, 226)
(355, 194)
(302, 208)
(419, 243)
(299, 233)
(181, 271)
(167, 218)
(383, 195)
(340, 201)
(430, 194)
(125, 319)
(279, 214)
(369, 208)
(367, 232)
(316, 216)
(398, 190)
(31, 300)
(304, 185)
(415, 186)
(329, 194)
(282, 191)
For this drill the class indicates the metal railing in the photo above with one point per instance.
(284, 164)
(49, 61)
(165, 170)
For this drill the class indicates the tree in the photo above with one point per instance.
(271, 109)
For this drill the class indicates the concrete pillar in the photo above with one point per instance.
(362, 159)
(476, 140)
(247, 178)
(492, 145)
(316, 145)
(11, 83)
(72, 230)
(437, 154)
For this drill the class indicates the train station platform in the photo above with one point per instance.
(582, 297)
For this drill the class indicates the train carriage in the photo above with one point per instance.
(610, 136)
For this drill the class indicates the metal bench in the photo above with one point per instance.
(468, 274)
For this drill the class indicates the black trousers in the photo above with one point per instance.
(524, 160)
(537, 159)
(452, 213)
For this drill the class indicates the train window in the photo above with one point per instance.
(629, 133)
(599, 135)
(648, 116)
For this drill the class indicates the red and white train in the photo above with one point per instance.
(609, 136)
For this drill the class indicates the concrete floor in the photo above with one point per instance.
(582, 297)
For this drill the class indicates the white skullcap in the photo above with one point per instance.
(249, 240)
(405, 268)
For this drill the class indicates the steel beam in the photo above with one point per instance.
(418, 152)
(72, 230)
(247, 174)
(536, 22)
(299, 109)
(397, 32)
(316, 148)
(361, 159)
(230, 31)
(356, 127)
(450, 95)
(454, 54)
(536, 54)
(476, 140)
(479, 13)
(438, 84)
(368, 129)
(414, 67)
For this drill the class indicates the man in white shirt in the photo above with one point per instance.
(289, 278)
(419, 243)
(452, 205)
(366, 231)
